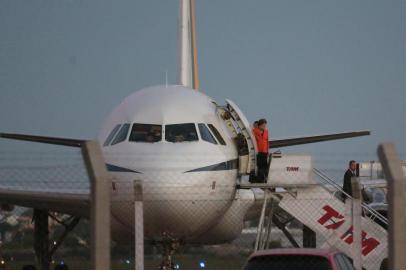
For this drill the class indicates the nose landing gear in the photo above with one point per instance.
(170, 245)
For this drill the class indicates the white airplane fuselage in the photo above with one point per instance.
(188, 187)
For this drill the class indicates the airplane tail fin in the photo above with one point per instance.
(188, 68)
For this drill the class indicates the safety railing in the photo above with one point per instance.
(365, 207)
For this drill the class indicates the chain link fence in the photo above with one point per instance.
(191, 218)
(42, 173)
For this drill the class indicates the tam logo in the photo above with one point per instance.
(292, 169)
(332, 220)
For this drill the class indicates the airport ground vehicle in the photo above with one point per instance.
(298, 258)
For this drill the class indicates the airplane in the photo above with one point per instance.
(181, 144)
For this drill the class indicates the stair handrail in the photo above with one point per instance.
(330, 181)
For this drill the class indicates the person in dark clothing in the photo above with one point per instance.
(351, 172)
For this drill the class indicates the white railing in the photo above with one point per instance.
(373, 213)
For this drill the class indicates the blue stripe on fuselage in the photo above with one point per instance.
(223, 166)
(114, 168)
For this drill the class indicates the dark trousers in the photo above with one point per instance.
(262, 164)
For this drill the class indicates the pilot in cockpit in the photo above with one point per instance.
(192, 136)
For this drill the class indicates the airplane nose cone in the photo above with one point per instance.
(181, 204)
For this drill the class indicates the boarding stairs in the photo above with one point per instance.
(292, 188)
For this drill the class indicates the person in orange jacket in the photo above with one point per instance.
(262, 138)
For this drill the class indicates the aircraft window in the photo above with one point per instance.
(205, 134)
(111, 135)
(121, 135)
(181, 133)
(217, 134)
(146, 133)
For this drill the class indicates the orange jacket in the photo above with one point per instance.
(262, 140)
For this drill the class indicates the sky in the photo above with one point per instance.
(309, 67)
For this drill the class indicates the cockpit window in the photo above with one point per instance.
(121, 135)
(217, 134)
(181, 133)
(111, 135)
(205, 134)
(146, 133)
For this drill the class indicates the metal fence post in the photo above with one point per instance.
(356, 223)
(138, 225)
(397, 218)
(100, 184)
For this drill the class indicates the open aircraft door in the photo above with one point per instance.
(247, 162)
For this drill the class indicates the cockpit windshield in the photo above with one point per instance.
(181, 133)
(217, 134)
(146, 133)
(121, 135)
(205, 134)
(111, 135)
